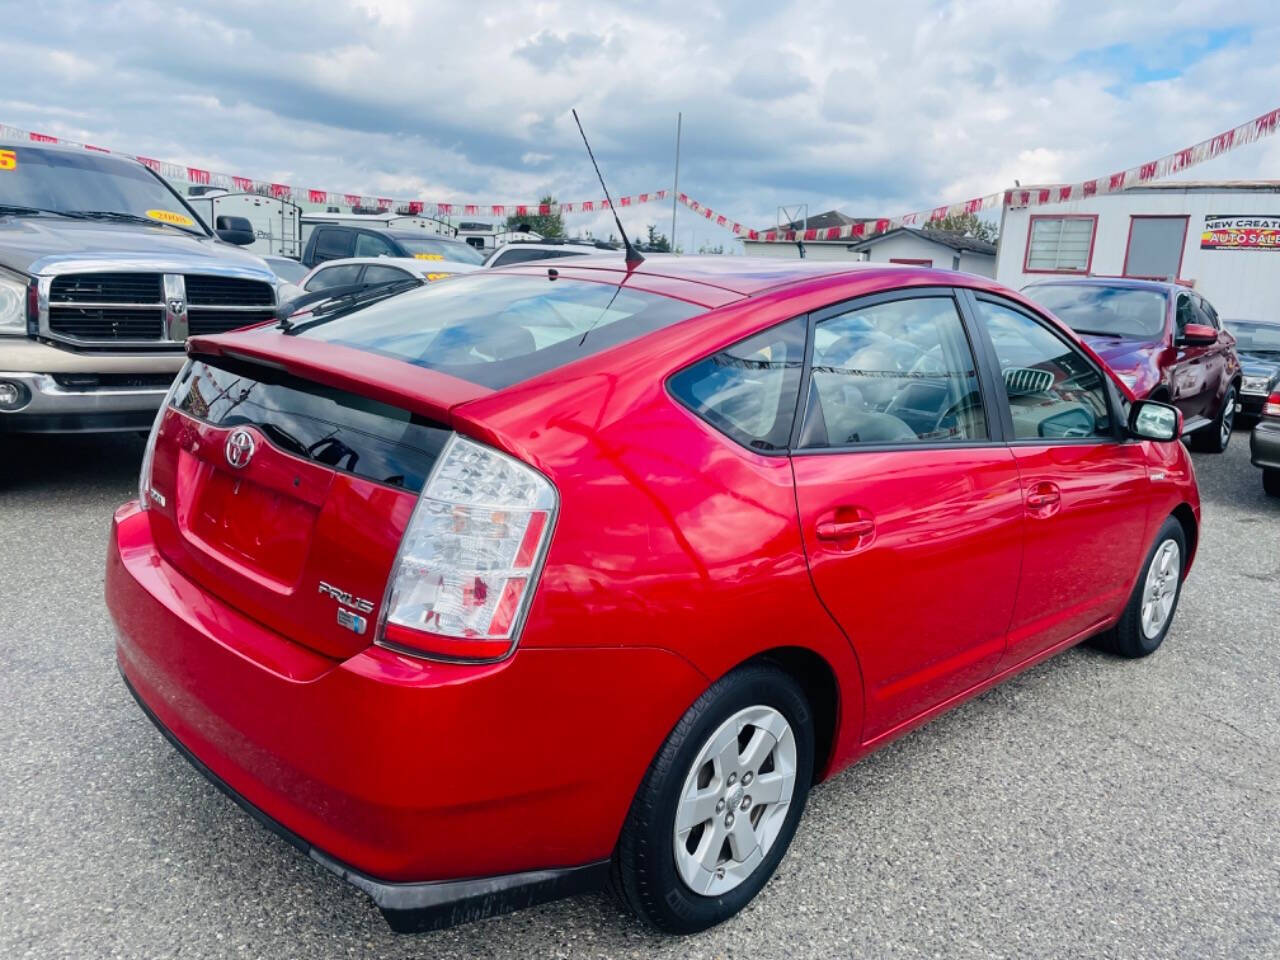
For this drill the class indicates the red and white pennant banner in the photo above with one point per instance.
(1264, 126)
(198, 176)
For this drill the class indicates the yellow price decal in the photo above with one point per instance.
(432, 277)
(168, 216)
(8, 160)
(428, 256)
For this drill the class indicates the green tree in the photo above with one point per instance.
(654, 242)
(550, 225)
(711, 248)
(969, 224)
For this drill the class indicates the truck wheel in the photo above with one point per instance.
(1215, 437)
(1148, 615)
(719, 805)
(1271, 483)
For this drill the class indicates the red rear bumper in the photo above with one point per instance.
(401, 770)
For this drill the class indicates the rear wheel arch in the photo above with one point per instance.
(1187, 519)
(821, 688)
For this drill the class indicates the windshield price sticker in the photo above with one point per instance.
(428, 256)
(168, 216)
(8, 160)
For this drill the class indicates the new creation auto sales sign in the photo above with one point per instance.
(1240, 232)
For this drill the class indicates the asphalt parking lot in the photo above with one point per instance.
(1091, 807)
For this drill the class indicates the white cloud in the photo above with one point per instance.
(874, 111)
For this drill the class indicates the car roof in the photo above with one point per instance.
(405, 263)
(745, 276)
(420, 235)
(1131, 283)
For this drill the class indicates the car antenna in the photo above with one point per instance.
(632, 254)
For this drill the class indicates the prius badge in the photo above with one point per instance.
(348, 618)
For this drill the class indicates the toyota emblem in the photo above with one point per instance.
(240, 448)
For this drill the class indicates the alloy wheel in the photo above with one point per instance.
(1161, 588)
(734, 800)
(1228, 419)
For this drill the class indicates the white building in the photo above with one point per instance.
(1223, 238)
(920, 247)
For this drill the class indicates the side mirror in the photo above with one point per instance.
(1199, 333)
(237, 230)
(1152, 420)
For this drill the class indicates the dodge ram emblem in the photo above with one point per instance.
(177, 306)
(240, 448)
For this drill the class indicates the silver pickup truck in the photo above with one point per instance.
(104, 272)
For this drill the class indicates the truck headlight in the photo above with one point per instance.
(13, 306)
(1256, 384)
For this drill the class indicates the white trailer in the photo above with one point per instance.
(277, 224)
(382, 221)
(1223, 238)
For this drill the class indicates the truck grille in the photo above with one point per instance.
(108, 308)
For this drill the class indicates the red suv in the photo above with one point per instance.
(1164, 341)
(544, 577)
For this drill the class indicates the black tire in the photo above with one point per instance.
(1215, 437)
(644, 876)
(1128, 638)
(1271, 482)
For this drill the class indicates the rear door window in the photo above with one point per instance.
(498, 329)
(900, 371)
(748, 391)
(338, 276)
(332, 243)
(375, 275)
(372, 245)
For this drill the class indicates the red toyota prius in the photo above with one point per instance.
(551, 577)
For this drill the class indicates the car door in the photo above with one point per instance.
(1191, 363)
(1218, 365)
(909, 501)
(1084, 484)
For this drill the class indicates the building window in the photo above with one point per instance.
(1060, 244)
(910, 262)
(1155, 247)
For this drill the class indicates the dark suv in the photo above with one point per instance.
(338, 241)
(1164, 341)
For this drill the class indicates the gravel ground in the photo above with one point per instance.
(1090, 807)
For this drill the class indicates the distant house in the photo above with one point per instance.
(909, 245)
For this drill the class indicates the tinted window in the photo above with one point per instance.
(1205, 314)
(499, 329)
(894, 372)
(339, 429)
(1108, 311)
(372, 245)
(1054, 392)
(1186, 312)
(435, 248)
(85, 181)
(749, 390)
(331, 244)
(333, 277)
(380, 274)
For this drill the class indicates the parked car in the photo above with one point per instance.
(1264, 444)
(371, 271)
(1164, 341)
(104, 270)
(1258, 346)
(522, 251)
(338, 241)
(509, 586)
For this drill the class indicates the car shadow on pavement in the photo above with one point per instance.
(69, 461)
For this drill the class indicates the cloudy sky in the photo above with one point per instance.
(873, 109)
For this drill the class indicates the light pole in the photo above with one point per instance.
(675, 186)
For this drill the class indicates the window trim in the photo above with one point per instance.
(970, 299)
(996, 434)
(1182, 250)
(1093, 236)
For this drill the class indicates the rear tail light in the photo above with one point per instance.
(470, 558)
(1272, 407)
(146, 493)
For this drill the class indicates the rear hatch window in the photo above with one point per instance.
(500, 329)
(288, 498)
